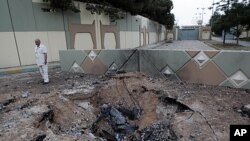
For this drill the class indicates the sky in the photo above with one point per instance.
(186, 12)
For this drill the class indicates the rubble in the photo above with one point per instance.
(85, 105)
(246, 110)
(25, 94)
(117, 107)
(119, 128)
(40, 137)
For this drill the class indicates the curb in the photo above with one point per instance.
(211, 45)
(25, 69)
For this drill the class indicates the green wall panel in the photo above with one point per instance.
(132, 63)
(22, 15)
(29, 16)
(148, 67)
(117, 56)
(5, 24)
(68, 57)
(161, 58)
(247, 86)
(47, 21)
(231, 62)
(227, 83)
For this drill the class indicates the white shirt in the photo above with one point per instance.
(40, 58)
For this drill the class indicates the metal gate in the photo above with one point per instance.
(188, 34)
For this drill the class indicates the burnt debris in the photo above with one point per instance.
(116, 118)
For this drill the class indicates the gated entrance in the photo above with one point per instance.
(188, 34)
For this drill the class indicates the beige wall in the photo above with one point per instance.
(86, 16)
(205, 33)
(244, 34)
(129, 39)
(25, 43)
(109, 41)
(57, 41)
(8, 53)
(152, 37)
(54, 41)
(83, 41)
(170, 36)
(163, 36)
(147, 38)
(142, 39)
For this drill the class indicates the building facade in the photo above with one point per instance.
(22, 21)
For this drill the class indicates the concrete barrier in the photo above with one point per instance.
(221, 68)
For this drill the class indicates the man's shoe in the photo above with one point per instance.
(45, 83)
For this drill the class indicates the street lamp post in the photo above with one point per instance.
(202, 14)
(212, 7)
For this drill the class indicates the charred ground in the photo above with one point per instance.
(129, 106)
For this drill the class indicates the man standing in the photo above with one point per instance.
(41, 60)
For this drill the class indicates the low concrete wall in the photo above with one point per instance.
(221, 68)
(99, 61)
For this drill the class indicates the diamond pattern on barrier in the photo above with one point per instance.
(167, 71)
(239, 78)
(201, 58)
(113, 67)
(92, 55)
(76, 68)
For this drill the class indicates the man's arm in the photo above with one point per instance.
(45, 54)
(45, 58)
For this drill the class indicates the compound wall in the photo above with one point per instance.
(221, 68)
(22, 21)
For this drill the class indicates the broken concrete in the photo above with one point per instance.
(246, 110)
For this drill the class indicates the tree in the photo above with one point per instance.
(235, 16)
(216, 23)
(224, 5)
(159, 10)
(246, 18)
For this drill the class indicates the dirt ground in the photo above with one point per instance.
(127, 106)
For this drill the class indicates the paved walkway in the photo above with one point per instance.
(185, 45)
(243, 43)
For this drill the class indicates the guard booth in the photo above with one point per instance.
(188, 33)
